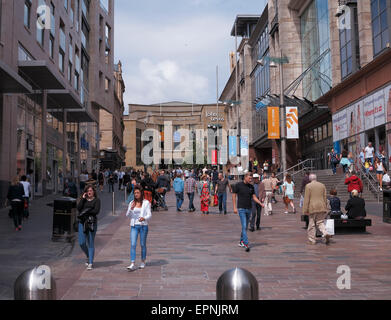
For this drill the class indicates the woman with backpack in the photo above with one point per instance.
(88, 207)
(334, 160)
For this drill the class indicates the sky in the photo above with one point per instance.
(170, 49)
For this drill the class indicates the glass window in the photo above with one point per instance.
(315, 41)
(61, 60)
(27, 11)
(51, 46)
(380, 31)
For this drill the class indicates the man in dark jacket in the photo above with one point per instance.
(354, 183)
(15, 196)
(163, 183)
(356, 207)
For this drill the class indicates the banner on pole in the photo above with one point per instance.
(273, 117)
(232, 146)
(244, 146)
(292, 123)
(214, 157)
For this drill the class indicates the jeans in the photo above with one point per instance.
(334, 167)
(17, 212)
(111, 187)
(245, 215)
(86, 242)
(268, 202)
(179, 200)
(191, 199)
(134, 232)
(223, 201)
(120, 184)
(255, 212)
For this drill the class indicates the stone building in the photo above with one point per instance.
(56, 73)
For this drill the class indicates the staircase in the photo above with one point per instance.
(338, 182)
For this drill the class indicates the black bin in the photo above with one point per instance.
(64, 219)
(387, 206)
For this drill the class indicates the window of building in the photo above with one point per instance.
(70, 49)
(107, 84)
(23, 54)
(53, 19)
(51, 46)
(27, 12)
(76, 80)
(315, 42)
(104, 4)
(107, 43)
(349, 43)
(61, 60)
(330, 129)
(70, 73)
(66, 4)
(380, 21)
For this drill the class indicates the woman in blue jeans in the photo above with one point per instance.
(139, 211)
(88, 207)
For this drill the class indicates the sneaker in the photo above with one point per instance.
(132, 267)
(178, 210)
(247, 247)
(286, 212)
(142, 265)
(241, 244)
(89, 267)
(311, 243)
(87, 263)
(225, 212)
(258, 228)
(252, 229)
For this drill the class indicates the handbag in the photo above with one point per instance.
(329, 226)
(216, 200)
(286, 200)
(89, 225)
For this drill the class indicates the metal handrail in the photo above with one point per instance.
(298, 165)
(370, 184)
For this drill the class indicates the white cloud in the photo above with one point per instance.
(159, 82)
(174, 60)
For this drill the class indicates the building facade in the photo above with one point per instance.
(54, 56)
(169, 119)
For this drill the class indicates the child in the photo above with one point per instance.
(334, 205)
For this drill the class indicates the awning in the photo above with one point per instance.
(73, 116)
(40, 74)
(11, 82)
(303, 105)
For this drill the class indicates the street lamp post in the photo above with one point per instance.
(280, 61)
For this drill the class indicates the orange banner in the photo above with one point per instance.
(273, 117)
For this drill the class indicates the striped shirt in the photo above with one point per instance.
(190, 185)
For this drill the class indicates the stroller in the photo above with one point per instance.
(157, 200)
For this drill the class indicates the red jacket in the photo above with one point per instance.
(354, 183)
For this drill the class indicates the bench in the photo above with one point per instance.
(342, 225)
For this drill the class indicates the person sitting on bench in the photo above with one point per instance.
(356, 207)
(334, 205)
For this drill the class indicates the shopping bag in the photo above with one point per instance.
(329, 224)
(216, 200)
(211, 201)
(301, 202)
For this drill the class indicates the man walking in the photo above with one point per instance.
(120, 179)
(243, 193)
(315, 206)
(268, 185)
(256, 208)
(163, 185)
(190, 187)
(221, 190)
(179, 187)
(369, 153)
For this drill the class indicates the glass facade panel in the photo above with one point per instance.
(380, 21)
(315, 41)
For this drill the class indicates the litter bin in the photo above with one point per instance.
(387, 206)
(64, 218)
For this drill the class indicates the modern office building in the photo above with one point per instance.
(56, 74)
(177, 115)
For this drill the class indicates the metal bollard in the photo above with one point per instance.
(237, 284)
(113, 204)
(125, 193)
(35, 284)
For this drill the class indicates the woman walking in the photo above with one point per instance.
(88, 207)
(15, 196)
(204, 192)
(289, 193)
(139, 211)
(379, 166)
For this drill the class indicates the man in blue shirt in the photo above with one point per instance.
(179, 187)
(256, 208)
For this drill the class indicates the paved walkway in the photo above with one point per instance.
(187, 252)
(32, 247)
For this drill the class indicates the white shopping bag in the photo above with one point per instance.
(301, 202)
(329, 224)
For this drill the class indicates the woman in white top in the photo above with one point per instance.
(139, 211)
(379, 172)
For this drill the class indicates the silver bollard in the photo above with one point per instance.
(35, 284)
(125, 193)
(237, 284)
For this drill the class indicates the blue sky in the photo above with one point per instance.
(170, 49)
